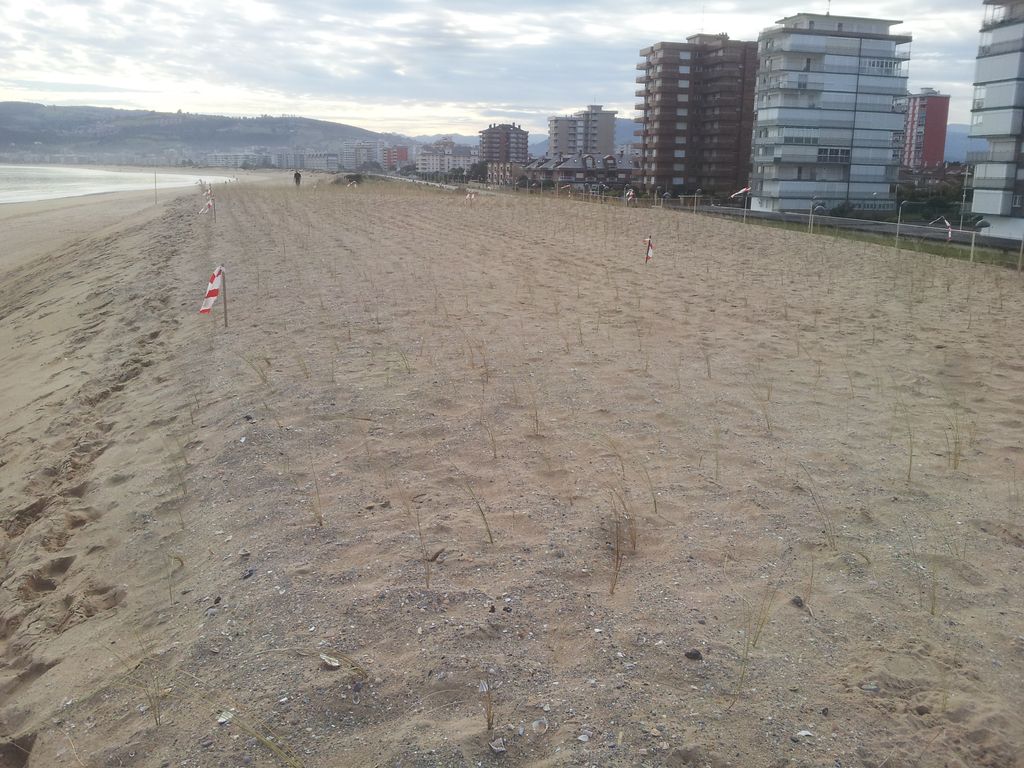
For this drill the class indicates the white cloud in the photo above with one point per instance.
(405, 65)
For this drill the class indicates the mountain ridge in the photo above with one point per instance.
(27, 126)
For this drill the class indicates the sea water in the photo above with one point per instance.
(24, 183)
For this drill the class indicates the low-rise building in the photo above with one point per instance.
(445, 156)
(579, 171)
(504, 174)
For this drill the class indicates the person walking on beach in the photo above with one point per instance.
(298, 178)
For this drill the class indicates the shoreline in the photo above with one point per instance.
(93, 180)
(33, 227)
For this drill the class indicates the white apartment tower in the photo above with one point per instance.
(996, 115)
(588, 132)
(830, 100)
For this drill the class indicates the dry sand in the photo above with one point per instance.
(798, 456)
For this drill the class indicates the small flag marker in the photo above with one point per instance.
(218, 284)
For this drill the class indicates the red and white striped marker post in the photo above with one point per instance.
(218, 285)
(650, 249)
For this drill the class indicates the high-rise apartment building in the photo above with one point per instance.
(590, 131)
(924, 133)
(505, 143)
(831, 98)
(697, 114)
(996, 117)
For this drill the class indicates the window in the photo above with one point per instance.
(833, 155)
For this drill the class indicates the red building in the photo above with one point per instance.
(395, 157)
(924, 139)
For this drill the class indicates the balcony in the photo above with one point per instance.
(992, 156)
(995, 49)
(990, 183)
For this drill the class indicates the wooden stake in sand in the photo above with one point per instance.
(218, 284)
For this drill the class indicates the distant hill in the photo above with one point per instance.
(958, 143)
(624, 128)
(36, 127)
(458, 138)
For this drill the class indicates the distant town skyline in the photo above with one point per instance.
(406, 66)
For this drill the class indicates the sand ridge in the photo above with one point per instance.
(794, 454)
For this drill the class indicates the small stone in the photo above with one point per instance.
(584, 737)
(329, 662)
(206, 743)
(247, 573)
(498, 745)
(870, 687)
(655, 732)
(797, 601)
(824, 711)
(923, 709)
(539, 726)
(694, 655)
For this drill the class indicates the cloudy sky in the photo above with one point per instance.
(409, 66)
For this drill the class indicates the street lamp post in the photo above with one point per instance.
(982, 224)
(899, 220)
(963, 197)
(810, 215)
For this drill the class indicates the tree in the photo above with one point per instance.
(477, 171)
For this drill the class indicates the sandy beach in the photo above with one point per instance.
(468, 483)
